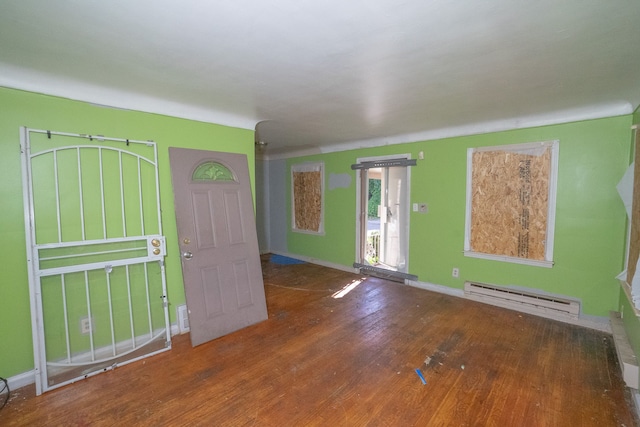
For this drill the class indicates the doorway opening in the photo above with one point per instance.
(383, 216)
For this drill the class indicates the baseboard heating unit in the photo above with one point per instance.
(520, 300)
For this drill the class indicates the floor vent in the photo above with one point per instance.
(526, 301)
(183, 319)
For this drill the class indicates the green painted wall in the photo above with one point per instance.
(590, 218)
(37, 111)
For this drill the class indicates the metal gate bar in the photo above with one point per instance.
(134, 345)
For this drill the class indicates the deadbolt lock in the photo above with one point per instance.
(156, 246)
(186, 241)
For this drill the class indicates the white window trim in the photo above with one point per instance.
(308, 167)
(551, 213)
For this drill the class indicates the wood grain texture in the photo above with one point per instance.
(510, 203)
(321, 361)
(307, 200)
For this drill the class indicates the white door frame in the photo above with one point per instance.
(359, 225)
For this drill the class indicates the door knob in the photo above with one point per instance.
(187, 255)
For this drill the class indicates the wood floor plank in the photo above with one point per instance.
(351, 361)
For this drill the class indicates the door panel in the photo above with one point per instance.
(236, 228)
(394, 253)
(218, 242)
(212, 291)
(203, 220)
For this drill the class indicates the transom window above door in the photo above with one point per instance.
(212, 171)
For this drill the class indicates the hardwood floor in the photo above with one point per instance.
(351, 361)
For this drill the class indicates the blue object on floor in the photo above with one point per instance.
(283, 260)
(424, 382)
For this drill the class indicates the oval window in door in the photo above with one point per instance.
(212, 171)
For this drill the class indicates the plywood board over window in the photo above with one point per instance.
(307, 188)
(511, 202)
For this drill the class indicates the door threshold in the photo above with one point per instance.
(382, 273)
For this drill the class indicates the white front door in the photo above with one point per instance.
(218, 242)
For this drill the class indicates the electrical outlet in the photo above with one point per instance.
(85, 325)
(455, 272)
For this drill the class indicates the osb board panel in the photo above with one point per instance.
(307, 193)
(634, 242)
(509, 207)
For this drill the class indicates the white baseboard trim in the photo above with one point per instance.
(22, 380)
(175, 330)
(599, 323)
(436, 288)
(348, 269)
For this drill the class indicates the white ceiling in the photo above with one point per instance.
(322, 75)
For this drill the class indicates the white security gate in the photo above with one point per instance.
(95, 253)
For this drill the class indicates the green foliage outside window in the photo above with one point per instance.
(374, 198)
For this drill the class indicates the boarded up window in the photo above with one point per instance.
(307, 182)
(511, 202)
